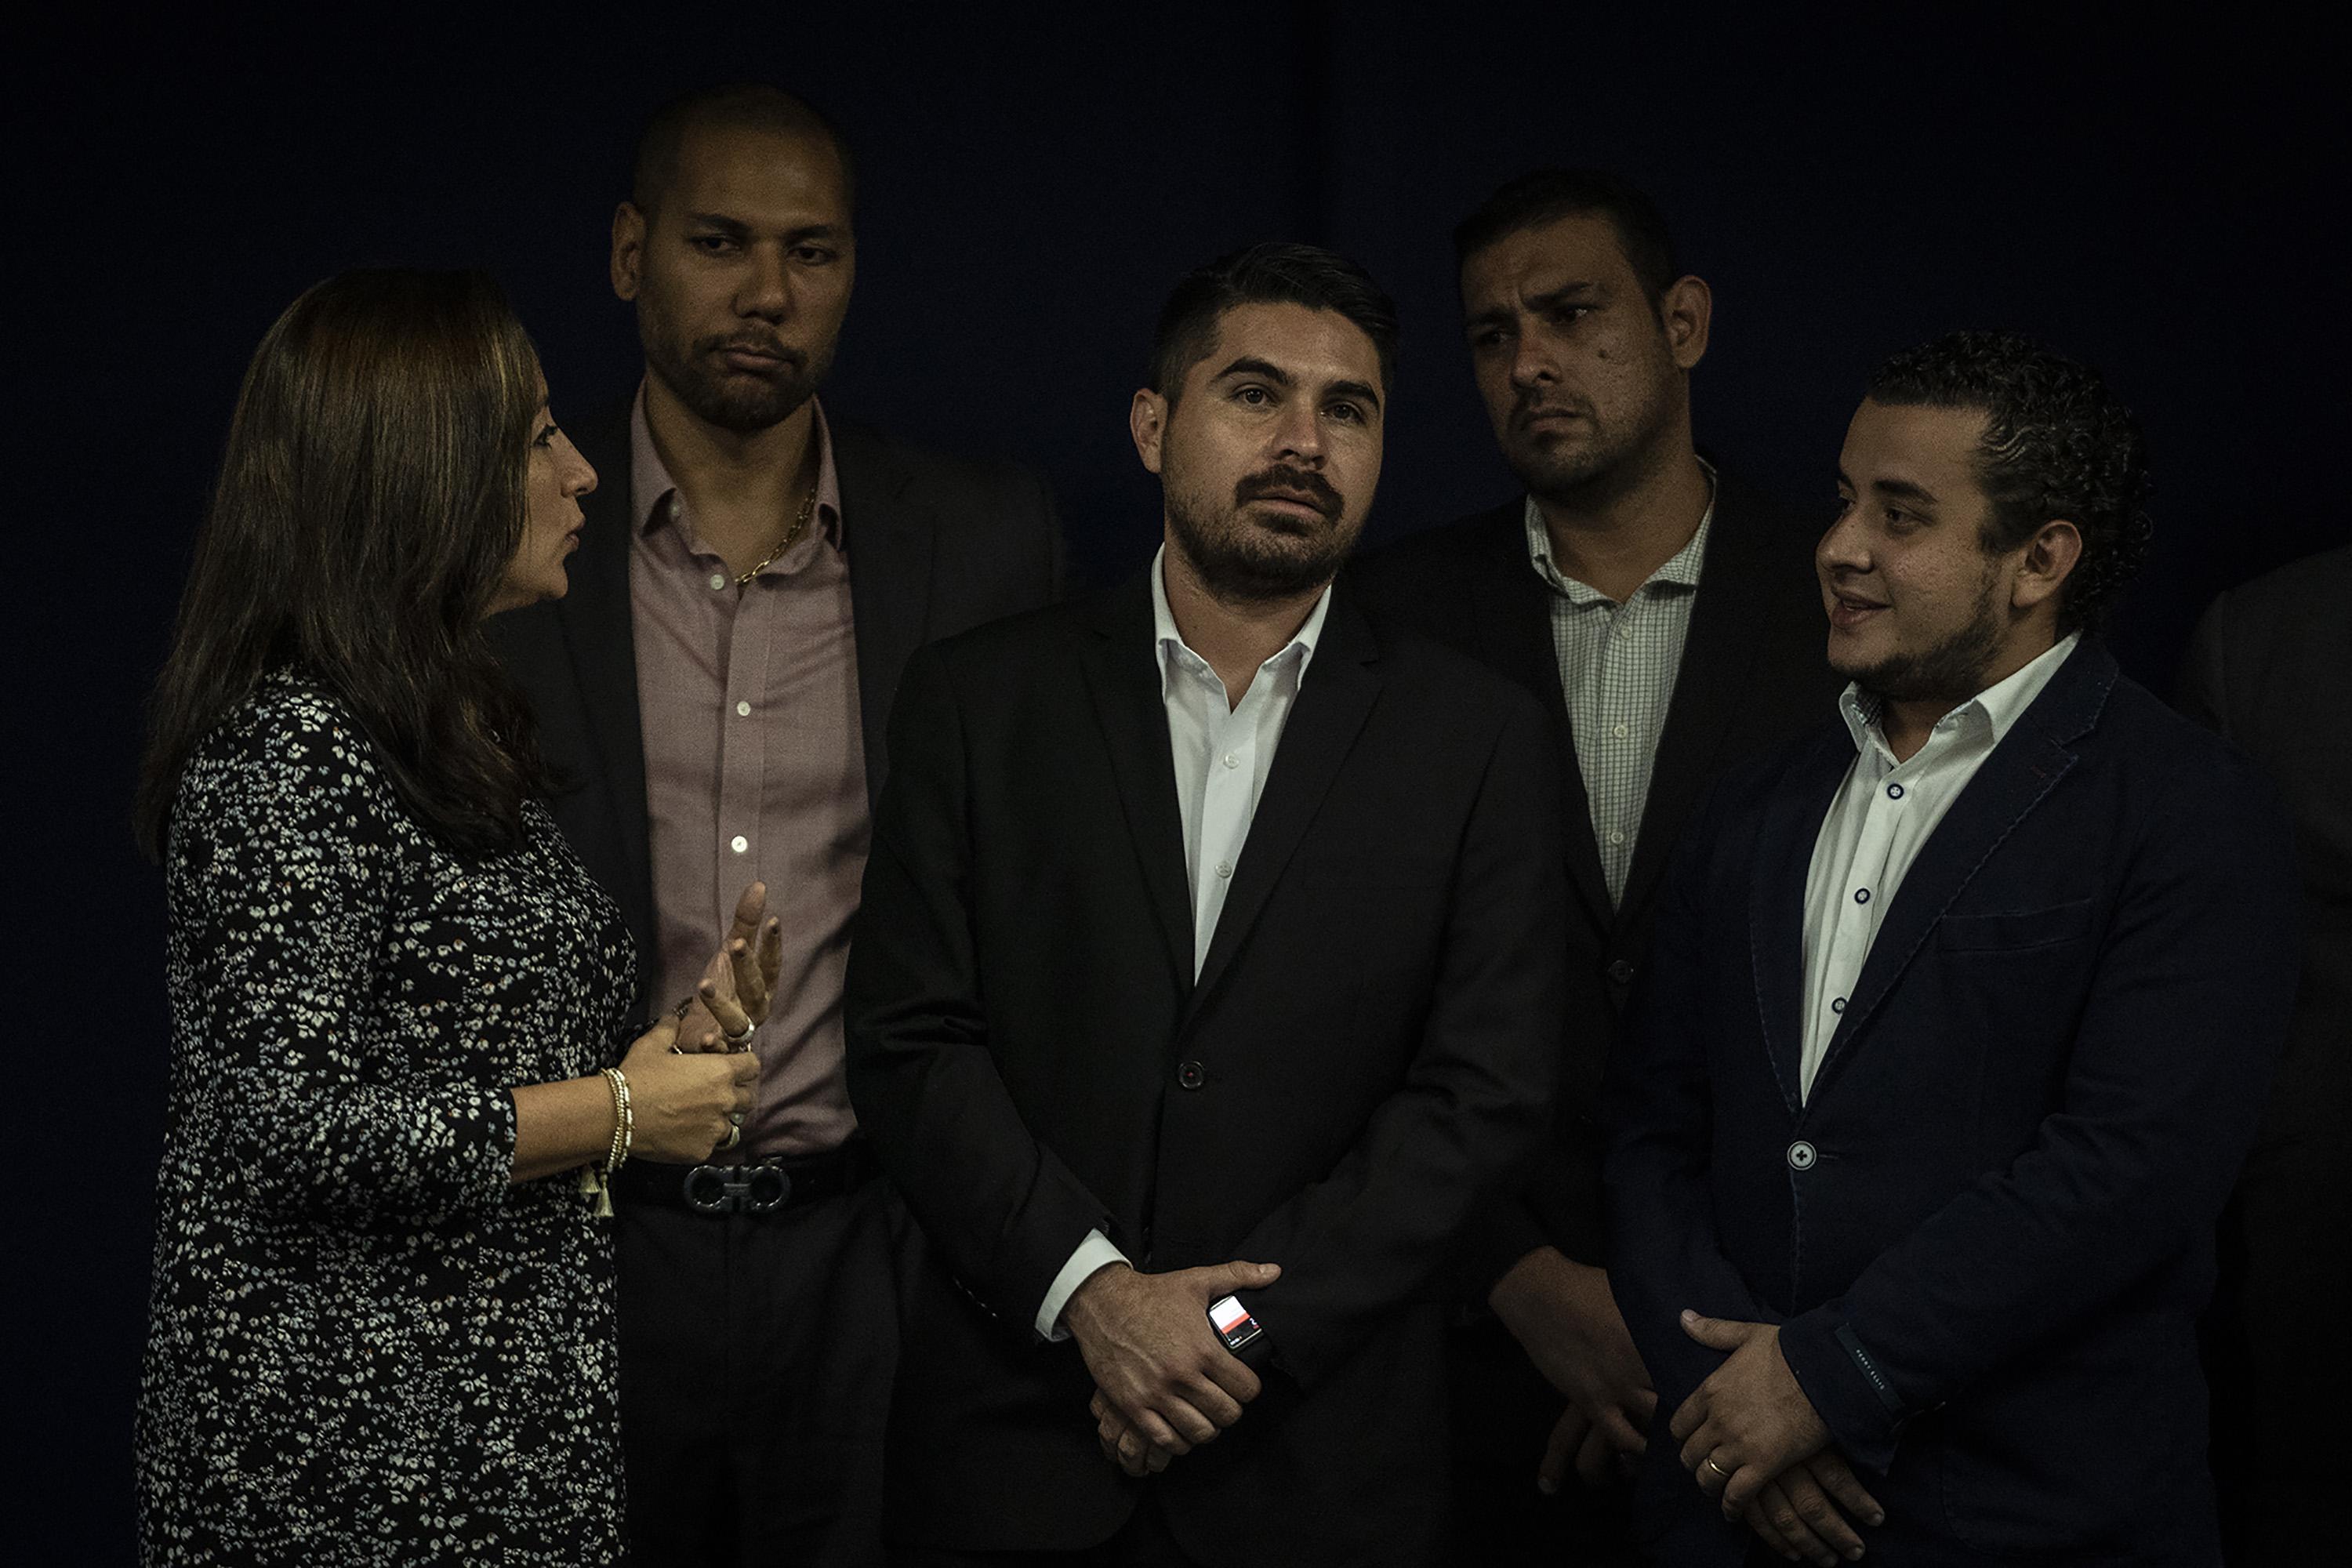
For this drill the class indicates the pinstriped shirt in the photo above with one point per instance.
(1617, 668)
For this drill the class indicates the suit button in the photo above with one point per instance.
(1621, 970)
(1190, 1075)
(1801, 1155)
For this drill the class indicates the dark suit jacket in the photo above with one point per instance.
(2271, 669)
(1368, 1051)
(1752, 674)
(935, 545)
(1987, 1234)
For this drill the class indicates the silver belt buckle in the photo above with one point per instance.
(737, 1189)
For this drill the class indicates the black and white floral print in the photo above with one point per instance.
(365, 1345)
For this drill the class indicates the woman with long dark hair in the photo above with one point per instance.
(381, 1328)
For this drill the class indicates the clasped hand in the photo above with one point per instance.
(1163, 1382)
(1756, 1445)
(1562, 1315)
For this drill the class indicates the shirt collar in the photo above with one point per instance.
(1172, 649)
(1680, 570)
(1994, 711)
(651, 490)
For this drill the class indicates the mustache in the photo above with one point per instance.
(1290, 483)
(751, 342)
(1530, 405)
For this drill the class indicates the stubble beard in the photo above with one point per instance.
(1613, 456)
(742, 405)
(1240, 563)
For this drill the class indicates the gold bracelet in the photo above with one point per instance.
(623, 1123)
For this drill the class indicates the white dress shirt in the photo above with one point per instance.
(1884, 814)
(1223, 751)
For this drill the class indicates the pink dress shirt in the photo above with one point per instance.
(754, 769)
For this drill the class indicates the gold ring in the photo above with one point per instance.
(734, 1136)
(1718, 1470)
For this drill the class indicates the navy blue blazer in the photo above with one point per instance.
(1987, 1234)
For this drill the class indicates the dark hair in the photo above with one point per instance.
(1545, 196)
(1271, 273)
(734, 106)
(370, 499)
(2058, 444)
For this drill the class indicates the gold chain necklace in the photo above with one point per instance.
(808, 505)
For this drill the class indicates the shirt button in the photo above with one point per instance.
(742, 710)
(1895, 792)
(1838, 1005)
(1862, 895)
(1616, 835)
(1191, 1075)
(738, 843)
(717, 581)
(1621, 970)
(1232, 760)
(1619, 732)
(1224, 868)
(1801, 1155)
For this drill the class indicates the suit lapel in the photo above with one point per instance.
(1333, 701)
(2020, 775)
(596, 616)
(1122, 674)
(1512, 609)
(888, 535)
(1776, 916)
(1728, 618)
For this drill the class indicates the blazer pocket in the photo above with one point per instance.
(2022, 928)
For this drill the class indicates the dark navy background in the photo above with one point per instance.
(2160, 199)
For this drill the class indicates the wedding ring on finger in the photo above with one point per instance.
(736, 1042)
(1718, 1470)
(734, 1134)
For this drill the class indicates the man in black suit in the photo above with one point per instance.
(712, 694)
(1665, 616)
(1960, 1014)
(1208, 950)
(2270, 669)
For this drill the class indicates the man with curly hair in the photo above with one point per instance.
(1959, 1018)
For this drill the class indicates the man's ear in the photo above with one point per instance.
(1147, 421)
(2050, 558)
(1686, 309)
(628, 249)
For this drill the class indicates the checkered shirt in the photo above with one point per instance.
(1617, 666)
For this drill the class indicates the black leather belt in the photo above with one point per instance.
(754, 1187)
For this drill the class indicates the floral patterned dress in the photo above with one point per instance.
(365, 1345)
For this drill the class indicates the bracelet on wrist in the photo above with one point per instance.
(623, 1123)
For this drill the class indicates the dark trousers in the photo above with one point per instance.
(756, 1358)
(1143, 1541)
(1503, 1412)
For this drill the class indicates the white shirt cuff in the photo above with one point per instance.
(1094, 1252)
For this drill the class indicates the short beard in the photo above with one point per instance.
(744, 406)
(1952, 670)
(1239, 563)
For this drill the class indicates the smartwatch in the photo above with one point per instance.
(1242, 1335)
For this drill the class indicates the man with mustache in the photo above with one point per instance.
(1204, 987)
(1962, 1012)
(714, 692)
(1666, 616)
